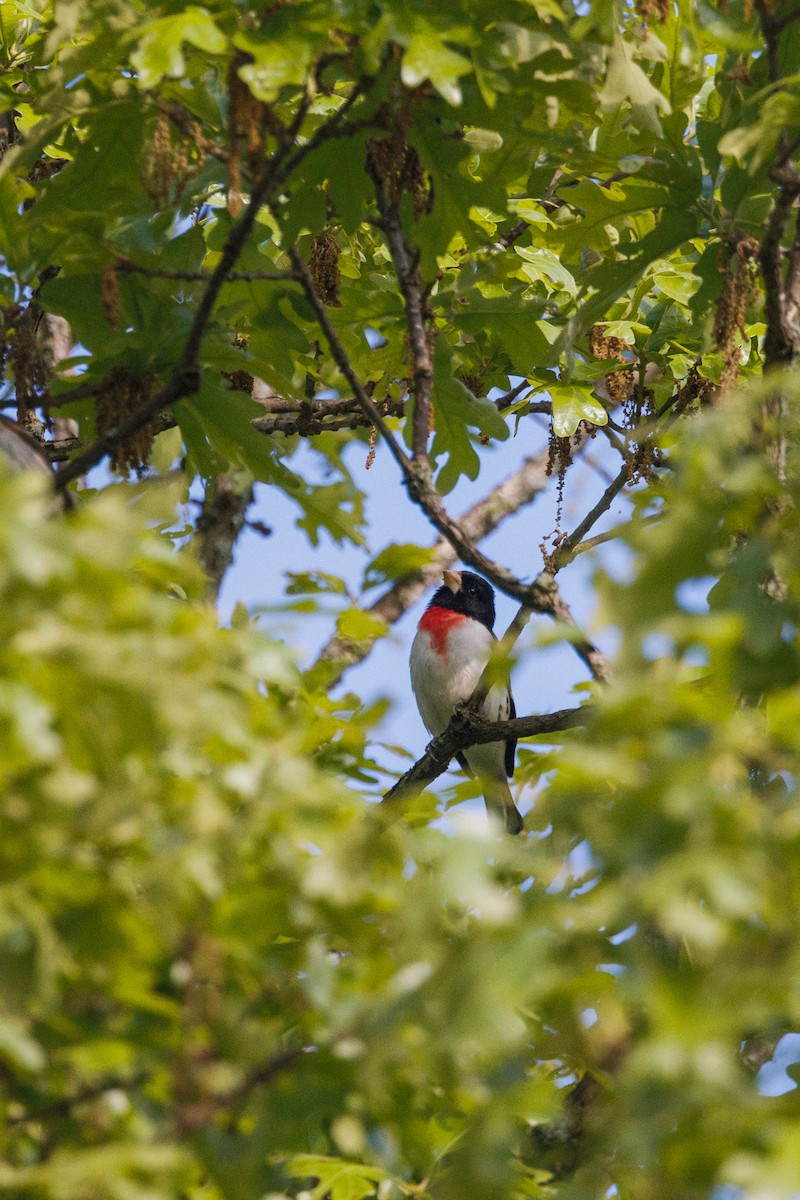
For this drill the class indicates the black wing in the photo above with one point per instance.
(511, 743)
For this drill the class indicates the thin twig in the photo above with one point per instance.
(612, 534)
(567, 548)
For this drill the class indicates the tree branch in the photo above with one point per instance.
(195, 1116)
(323, 417)
(65, 1104)
(222, 519)
(782, 340)
(407, 271)
(568, 547)
(783, 336)
(467, 728)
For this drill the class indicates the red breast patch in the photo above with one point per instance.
(437, 623)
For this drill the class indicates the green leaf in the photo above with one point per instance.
(675, 286)
(312, 583)
(456, 411)
(225, 416)
(483, 141)
(626, 81)
(339, 1179)
(397, 561)
(277, 63)
(13, 242)
(160, 51)
(573, 404)
(540, 263)
(427, 57)
(356, 625)
(337, 508)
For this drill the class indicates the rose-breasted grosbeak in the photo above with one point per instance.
(452, 645)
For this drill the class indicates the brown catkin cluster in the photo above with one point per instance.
(741, 255)
(695, 389)
(45, 168)
(396, 166)
(169, 164)
(618, 383)
(648, 9)
(240, 381)
(641, 458)
(324, 266)
(248, 118)
(373, 442)
(641, 455)
(559, 459)
(473, 382)
(121, 395)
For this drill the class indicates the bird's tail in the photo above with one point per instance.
(499, 801)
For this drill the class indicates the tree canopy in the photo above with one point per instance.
(234, 963)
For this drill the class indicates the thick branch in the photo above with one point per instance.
(792, 290)
(782, 339)
(221, 520)
(468, 729)
(322, 417)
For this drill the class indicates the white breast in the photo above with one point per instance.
(439, 681)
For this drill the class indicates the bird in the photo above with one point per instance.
(452, 645)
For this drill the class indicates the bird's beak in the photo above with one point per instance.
(452, 579)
